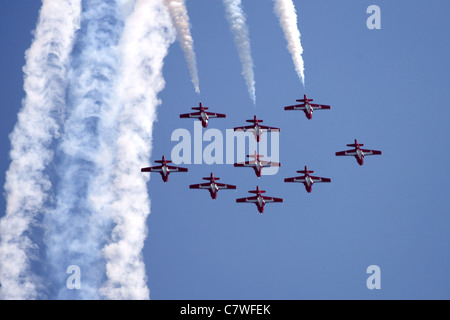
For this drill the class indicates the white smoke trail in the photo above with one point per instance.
(180, 18)
(27, 184)
(287, 15)
(144, 44)
(237, 20)
(78, 227)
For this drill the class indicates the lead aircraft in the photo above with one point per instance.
(257, 128)
(202, 115)
(307, 107)
(259, 199)
(212, 186)
(357, 152)
(164, 169)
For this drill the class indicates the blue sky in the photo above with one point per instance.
(387, 88)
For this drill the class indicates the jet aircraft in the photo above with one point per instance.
(212, 186)
(202, 115)
(307, 179)
(257, 128)
(257, 164)
(164, 169)
(259, 199)
(307, 107)
(357, 152)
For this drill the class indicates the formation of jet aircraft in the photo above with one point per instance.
(256, 163)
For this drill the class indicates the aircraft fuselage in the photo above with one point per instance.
(359, 156)
(258, 132)
(260, 204)
(308, 183)
(257, 168)
(308, 110)
(213, 190)
(204, 119)
(165, 172)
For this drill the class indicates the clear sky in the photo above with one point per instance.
(387, 88)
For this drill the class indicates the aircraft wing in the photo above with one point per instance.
(200, 186)
(245, 164)
(195, 115)
(320, 179)
(245, 129)
(252, 128)
(296, 107)
(152, 169)
(177, 169)
(347, 153)
(270, 129)
(215, 115)
(368, 152)
(320, 106)
(267, 164)
(271, 199)
(248, 199)
(225, 186)
(296, 179)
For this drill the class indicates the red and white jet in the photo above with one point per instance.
(257, 164)
(164, 169)
(212, 186)
(357, 152)
(307, 179)
(202, 115)
(259, 199)
(307, 107)
(257, 128)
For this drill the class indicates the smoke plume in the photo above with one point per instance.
(143, 47)
(236, 18)
(285, 10)
(180, 18)
(78, 226)
(27, 186)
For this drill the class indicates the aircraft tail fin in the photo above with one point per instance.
(354, 145)
(304, 99)
(211, 178)
(255, 155)
(254, 120)
(163, 160)
(305, 171)
(200, 107)
(159, 161)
